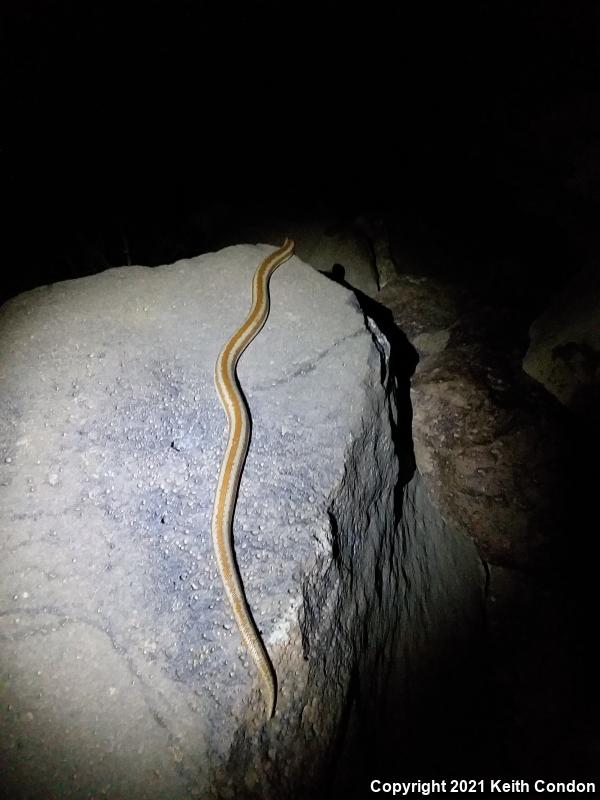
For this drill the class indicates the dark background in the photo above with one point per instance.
(128, 128)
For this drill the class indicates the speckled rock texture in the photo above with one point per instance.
(121, 671)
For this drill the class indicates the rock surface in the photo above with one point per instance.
(502, 462)
(488, 440)
(122, 670)
(321, 242)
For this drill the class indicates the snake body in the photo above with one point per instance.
(238, 419)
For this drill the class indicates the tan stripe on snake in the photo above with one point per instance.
(238, 419)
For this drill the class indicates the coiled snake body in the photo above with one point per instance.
(232, 465)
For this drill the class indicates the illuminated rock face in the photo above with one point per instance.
(390, 515)
(122, 667)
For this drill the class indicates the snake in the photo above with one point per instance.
(232, 465)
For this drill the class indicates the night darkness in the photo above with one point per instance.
(137, 119)
(145, 133)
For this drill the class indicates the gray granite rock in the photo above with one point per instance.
(322, 242)
(122, 672)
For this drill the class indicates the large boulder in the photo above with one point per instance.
(122, 668)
